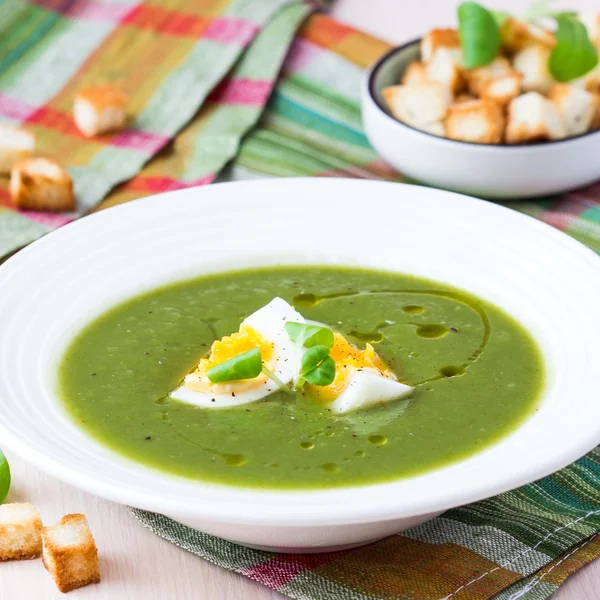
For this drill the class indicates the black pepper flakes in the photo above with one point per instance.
(148, 437)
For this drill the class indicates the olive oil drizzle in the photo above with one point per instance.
(311, 300)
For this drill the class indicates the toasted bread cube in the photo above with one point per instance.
(503, 89)
(596, 120)
(532, 63)
(99, 109)
(479, 121)
(20, 531)
(443, 69)
(69, 553)
(438, 38)
(592, 24)
(517, 35)
(435, 128)
(479, 77)
(578, 107)
(534, 118)
(414, 74)
(418, 105)
(464, 98)
(15, 145)
(41, 184)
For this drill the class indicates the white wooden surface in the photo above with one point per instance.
(136, 564)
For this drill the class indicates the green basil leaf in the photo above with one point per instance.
(309, 335)
(4, 477)
(247, 365)
(312, 358)
(479, 34)
(574, 54)
(324, 374)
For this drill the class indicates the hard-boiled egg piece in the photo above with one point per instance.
(361, 380)
(263, 329)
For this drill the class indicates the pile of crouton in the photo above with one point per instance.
(512, 100)
(68, 549)
(41, 183)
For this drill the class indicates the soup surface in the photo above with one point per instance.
(477, 375)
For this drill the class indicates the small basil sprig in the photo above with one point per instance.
(316, 366)
(479, 34)
(247, 365)
(574, 54)
(309, 335)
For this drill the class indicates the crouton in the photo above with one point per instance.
(596, 120)
(41, 184)
(479, 121)
(464, 98)
(479, 77)
(414, 74)
(20, 532)
(592, 24)
(577, 107)
(438, 38)
(15, 145)
(99, 109)
(435, 128)
(533, 118)
(517, 35)
(443, 68)
(69, 553)
(532, 63)
(503, 89)
(418, 105)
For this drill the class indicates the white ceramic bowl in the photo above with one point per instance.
(489, 171)
(548, 281)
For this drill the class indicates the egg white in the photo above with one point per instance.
(269, 321)
(367, 388)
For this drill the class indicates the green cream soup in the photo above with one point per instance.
(477, 375)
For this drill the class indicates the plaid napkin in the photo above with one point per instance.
(200, 76)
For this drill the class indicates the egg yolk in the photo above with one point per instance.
(349, 359)
(224, 349)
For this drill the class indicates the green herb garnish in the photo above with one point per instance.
(309, 335)
(4, 477)
(247, 365)
(479, 34)
(574, 54)
(317, 366)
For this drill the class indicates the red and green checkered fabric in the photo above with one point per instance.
(237, 89)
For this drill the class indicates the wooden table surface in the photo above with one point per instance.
(135, 564)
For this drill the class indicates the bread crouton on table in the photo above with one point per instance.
(516, 35)
(533, 118)
(41, 184)
(479, 121)
(99, 109)
(444, 69)
(532, 63)
(69, 553)
(438, 38)
(503, 89)
(418, 105)
(20, 531)
(480, 77)
(15, 145)
(577, 107)
(414, 74)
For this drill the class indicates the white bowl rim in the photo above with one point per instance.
(243, 507)
(371, 75)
